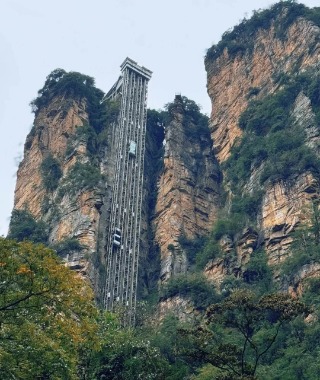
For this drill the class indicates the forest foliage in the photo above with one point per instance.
(50, 328)
(47, 315)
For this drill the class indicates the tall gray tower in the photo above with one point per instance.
(123, 236)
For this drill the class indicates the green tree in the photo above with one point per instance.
(67, 246)
(193, 286)
(240, 331)
(47, 315)
(126, 354)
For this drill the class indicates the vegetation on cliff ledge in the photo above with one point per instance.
(195, 122)
(50, 172)
(241, 38)
(76, 86)
(23, 226)
(272, 144)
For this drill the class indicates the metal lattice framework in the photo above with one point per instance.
(123, 236)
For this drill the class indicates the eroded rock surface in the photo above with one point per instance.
(284, 206)
(234, 81)
(188, 191)
(74, 215)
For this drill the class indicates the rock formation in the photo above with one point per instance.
(188, 189)
(69, 215)
(247, 67)
(186, 165)
(233, 81)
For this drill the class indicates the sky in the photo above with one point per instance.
(169, 37)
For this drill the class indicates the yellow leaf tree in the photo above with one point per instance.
(47, 314)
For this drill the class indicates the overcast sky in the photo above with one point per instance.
(169, 37)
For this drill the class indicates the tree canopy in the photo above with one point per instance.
(47, 314)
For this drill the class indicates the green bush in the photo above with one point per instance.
(253, 91)
(30, 138)
(194, 286)
(88, 135)
(23, 226)
(66, 246)
(229, 226)
(45, 205)
(50, 172)
(298, 259)
(230, 284)
(200, 251)
(194, 121)
(192, 247)
(81, 176)
(171, 247)
(258, 273)
(210, 251)
(247, 205)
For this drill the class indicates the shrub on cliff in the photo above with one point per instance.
(67, 246)
(76, 86)
(23, 226)
(50, 172)
(194, 121)
(82, 176)
(241, 38)
(272, 138)
(193, 286)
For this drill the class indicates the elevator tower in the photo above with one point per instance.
(123, 235)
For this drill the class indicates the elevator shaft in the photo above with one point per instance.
(124, 225)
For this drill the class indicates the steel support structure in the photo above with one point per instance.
(123, 235)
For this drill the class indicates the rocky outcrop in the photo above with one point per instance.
(299, 281)
(50, 132)
(284, 206)
(188, 190)
(251, 66)
(232, 81)
(246, 245)
(68, 215)
(305, 118)
(181, 308)
(236, 254)
(183, 180)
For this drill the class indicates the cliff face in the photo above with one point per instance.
(233, 81)
(68, 214)
(187, 164)
(66, 176)
(244, 71)
(52, 127)
(284, 206)
(188, 189)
